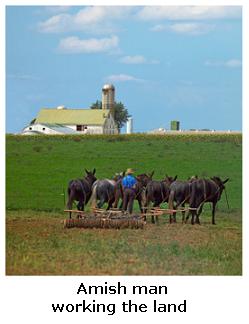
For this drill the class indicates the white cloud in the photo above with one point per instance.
(191, 28)
(97, 19)
(188, 28)
(93, 45)
(159, 28)
(122, 78)
(232, 63)
(100, 19)
(189, 12)
(137, 59)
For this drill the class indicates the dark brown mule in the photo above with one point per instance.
(80, 190)
(179, 196)
(157, 192)
(202, 191)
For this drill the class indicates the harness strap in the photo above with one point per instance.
(205, 195)
(188, 196)
(204, 187)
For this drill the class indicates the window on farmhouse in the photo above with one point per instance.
(80, 128)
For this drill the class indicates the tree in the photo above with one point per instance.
(96, 105)
(120, 112)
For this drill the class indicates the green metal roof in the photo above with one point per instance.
(72, 116)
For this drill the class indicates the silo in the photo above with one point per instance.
(129, 125)
(175, 125)
(108, 97)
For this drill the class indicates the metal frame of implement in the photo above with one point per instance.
(153, 211)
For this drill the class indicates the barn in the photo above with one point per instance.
(63, 120)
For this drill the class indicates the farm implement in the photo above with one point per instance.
(100, 218)
(113, 218)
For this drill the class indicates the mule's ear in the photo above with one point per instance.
(152, 173)
(94, 170)
(123, 173)
(225, 181)
(87, 171)
(175, 178)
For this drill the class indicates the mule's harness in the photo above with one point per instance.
(205, 196)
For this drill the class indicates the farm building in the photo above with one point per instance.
(63, 120)
(72, 121)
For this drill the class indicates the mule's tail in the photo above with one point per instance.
(93, 198)
(171, 199)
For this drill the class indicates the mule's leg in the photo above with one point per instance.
(213, 213)
(198, 214)
(69, 205)
(192, 205)
(146, 205)
(140, 204)
(172, 215)
(183, 214)
(80, 207)
(110, 203)
(187, 217)
(193, 217)
(117, 197)
(152, 217)
(125, 200)
(193, 213)
(115, 204)
(145, 208)
(130, 202)
(156, 204)
(100, 204)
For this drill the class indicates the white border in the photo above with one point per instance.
(210, 299)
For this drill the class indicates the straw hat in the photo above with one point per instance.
(129, 171)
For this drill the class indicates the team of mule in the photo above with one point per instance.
(177, 193)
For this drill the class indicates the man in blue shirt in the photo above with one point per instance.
(129, 187)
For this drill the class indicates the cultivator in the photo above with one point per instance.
(113, 218)
(99, 218)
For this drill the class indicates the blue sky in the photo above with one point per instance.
(166, 63)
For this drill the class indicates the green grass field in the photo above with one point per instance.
(37, 172)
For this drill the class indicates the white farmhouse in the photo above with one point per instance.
(72, 121)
